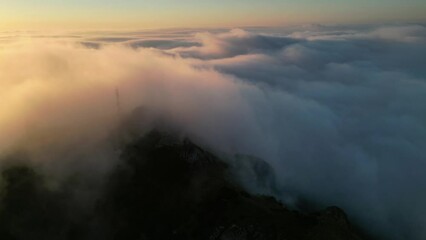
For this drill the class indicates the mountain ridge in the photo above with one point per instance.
(164, 187)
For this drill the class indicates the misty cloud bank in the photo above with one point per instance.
(338, 112)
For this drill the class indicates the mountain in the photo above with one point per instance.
(172, 189)
(163, 188)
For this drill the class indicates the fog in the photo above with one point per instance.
(337, 111)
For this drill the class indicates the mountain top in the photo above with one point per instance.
(164, 187)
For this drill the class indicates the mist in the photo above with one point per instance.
(337, 111)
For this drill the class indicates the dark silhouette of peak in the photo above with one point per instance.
(168, 188)
(164, 188)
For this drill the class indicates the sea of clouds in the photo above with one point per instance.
(339, 112)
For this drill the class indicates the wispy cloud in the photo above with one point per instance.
(337, 111)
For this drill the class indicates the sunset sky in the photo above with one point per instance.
(76, 14)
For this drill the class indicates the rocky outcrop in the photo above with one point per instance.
(164, 188)
(172, 189)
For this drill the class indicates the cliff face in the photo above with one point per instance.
(164, 188)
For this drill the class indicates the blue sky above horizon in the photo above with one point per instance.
(206, 13)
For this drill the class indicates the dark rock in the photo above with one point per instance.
(164, 188)
(180, 191)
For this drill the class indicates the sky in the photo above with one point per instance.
(78, 14)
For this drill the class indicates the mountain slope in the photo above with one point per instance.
(171, 189)
(163, 188)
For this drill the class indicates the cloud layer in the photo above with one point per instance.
(338, 112)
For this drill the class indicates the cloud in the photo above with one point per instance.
(161, 44)
(398, 33)
(338, 112)
(232, 43)
(60, 97)
(364, 142)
